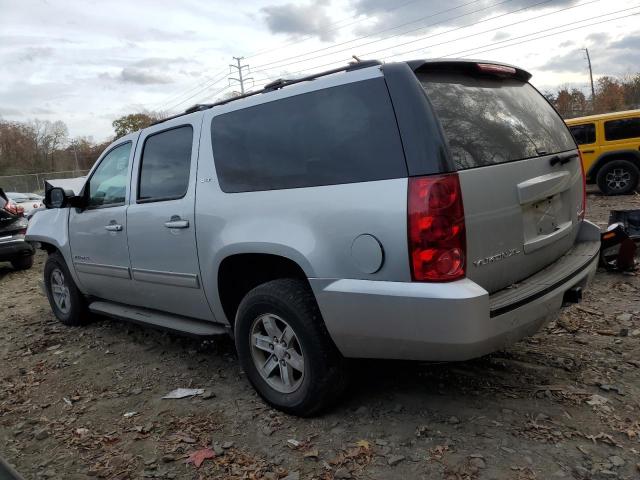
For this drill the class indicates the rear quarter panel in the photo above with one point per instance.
(315, 227)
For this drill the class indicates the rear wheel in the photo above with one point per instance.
(67, 302)
(618, 177)
(286, 350)
(22, 263)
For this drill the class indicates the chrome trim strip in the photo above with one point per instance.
(106, 270)
(186, 280)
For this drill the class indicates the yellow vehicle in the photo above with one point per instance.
(610, 148)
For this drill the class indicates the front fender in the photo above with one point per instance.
(51, 227)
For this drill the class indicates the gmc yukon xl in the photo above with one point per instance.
(422, 210)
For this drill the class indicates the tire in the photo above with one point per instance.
(22, 263)
(289, 303)
(618, 177)
(72, 310)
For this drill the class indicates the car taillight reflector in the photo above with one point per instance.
(500, 70)
(583, 206)
(436, 229)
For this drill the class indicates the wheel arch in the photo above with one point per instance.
(239, 273)
(631, 155)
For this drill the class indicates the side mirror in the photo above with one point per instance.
(57, 197)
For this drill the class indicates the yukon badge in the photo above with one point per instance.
(497, 257)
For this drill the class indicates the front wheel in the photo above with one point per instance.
(618, 177)
(67, 302)
(285, 348)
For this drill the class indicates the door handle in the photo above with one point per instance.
(177, 222)
(562, 160)
(113, 227)
(588, 151)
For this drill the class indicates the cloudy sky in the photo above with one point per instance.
(89, 62)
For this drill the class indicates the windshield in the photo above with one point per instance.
(17, 197)
(488, 121)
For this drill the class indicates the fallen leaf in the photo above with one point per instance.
(311, 453)
(363, 444)
(200, 456)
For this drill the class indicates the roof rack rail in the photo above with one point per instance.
(275, 85)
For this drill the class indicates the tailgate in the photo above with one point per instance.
(519, 172)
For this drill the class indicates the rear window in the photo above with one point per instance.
(622, 129)
(165, 165)
(342, 134)
(488, 121)
(584, 134)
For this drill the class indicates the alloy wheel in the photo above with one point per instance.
(277, 353)
(618, 179)
(60, 291)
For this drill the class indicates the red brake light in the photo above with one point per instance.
(436, 230)
(500, 70)
(14, 209)
(583, 206)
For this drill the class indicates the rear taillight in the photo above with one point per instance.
(436, 228)
(14, 209)
(583, 207)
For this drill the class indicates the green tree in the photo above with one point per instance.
(134, 121)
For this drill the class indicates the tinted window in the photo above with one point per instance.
(166, 161)
(108, 183)
(490, 120)
(621, 129)
(337, 135)
(584, 134)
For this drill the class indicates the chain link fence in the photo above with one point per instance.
(34, 183)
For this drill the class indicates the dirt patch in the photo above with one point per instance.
(86, 402)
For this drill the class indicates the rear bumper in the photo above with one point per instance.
(14, 247)
(451, 321)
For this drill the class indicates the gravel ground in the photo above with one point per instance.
(86, 402)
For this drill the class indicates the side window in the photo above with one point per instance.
(621, 129)
(584, 134)
(108, 184)
(343, 134)
(165, 165)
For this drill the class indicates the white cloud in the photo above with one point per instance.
(87, 63)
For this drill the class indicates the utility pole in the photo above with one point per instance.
(593, 90)
(241, 78)
(75, 153)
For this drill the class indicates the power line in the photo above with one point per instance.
(460, 28)
(383, 31)
(329, 30)
(548, 35)
(200, 92)
(508, 25)
(483, 48)
(542, 2)
(177, 94)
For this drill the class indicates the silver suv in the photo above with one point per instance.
(423, 210)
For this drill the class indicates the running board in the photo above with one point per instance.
(162, 320)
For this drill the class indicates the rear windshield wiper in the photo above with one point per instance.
(562, 159)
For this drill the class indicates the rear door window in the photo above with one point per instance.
(584, 134)
(342, 134)
(165, 165)
(488, 121)
(622, 129)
